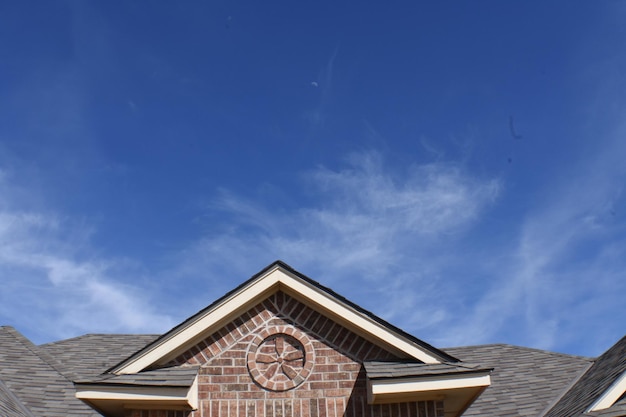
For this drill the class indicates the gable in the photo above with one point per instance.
(282, 314)
(279, 344)
(280, 277)
(283, 355)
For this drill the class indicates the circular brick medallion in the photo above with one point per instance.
(280, 358)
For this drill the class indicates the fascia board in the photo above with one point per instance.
(131, 394)
(276, 277)
(348, 315)
(611, 395)
(117, 397)
(416, 385)
(201, 324)
(192, 394)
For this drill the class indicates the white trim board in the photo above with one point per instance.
(273, 279)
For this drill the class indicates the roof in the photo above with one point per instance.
(525, 381)
(31, 384)
(594, 383)
(40, 380)
(178, 376)
(10, 405)
(90, 355)
(380, 370)
(617, 410)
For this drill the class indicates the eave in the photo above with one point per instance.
(113, 399)
(456, 390)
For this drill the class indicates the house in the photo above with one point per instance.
(283, 345)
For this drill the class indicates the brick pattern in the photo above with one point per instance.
(157, 413)
(333, 386)
(280, 358)
(318, 407)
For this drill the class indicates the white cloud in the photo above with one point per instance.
(51, 289)
(562, 284)
(370, 233)
(397, 244)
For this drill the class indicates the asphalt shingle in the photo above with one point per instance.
(90, 355)
(378, 370)
(38, 386)
(605, 370)
(179, 376)
(525, 381)
(10, 405)
(617, 410)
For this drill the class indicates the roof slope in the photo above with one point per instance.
(31, 384)
(597, 380)
(10, 405)
(617, 410)
(90, 355)
(177, 376)
(524, 381)
(382, 370)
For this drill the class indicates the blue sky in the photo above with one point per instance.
(457, 168)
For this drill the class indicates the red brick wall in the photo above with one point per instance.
(283, 359)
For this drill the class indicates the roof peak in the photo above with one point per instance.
(279, 276)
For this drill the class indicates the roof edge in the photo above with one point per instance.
(248, 285)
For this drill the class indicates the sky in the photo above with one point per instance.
(456, 168)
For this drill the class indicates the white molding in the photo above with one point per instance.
(199, 325)
(112, 399)
(611, 395)
(421, 385)
(273, 279)
(192, 394)
(356, 319)
(131, 394)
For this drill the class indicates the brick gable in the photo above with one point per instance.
(282, 358)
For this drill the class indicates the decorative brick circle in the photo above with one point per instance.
(280, 358)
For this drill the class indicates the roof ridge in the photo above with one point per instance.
(534, 349)
(87, 335)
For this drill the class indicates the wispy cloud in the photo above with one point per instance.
(370, 231)
(389, 238)
(563, 281)
(54, 286)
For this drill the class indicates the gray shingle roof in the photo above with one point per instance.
(36, 381)
(32, 383)
(524, 381)
(180, 376)
(90, 355)
(605, 370)
(617, 410)
(10, 405)
(381, 370)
